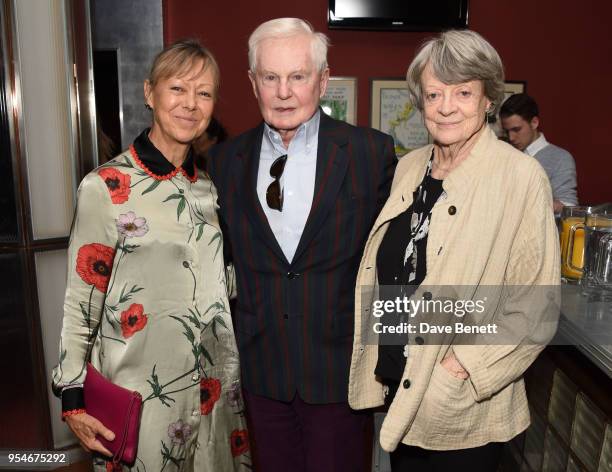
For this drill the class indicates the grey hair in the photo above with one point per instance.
(458, 56)
(286, 28)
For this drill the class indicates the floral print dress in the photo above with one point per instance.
(147, 302)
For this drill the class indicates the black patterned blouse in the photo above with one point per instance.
(401, 262)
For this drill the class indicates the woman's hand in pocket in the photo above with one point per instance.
(454, 367)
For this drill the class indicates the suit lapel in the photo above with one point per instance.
(246, 185)
(332, 163)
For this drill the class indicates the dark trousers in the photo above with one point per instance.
(478, 459)
(299, 437)
(415, 459)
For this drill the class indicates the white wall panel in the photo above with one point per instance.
(45, 76)
(51, 277)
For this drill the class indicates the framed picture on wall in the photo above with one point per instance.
(510, 88)
(340, 99)
(514, 86)
(394, 114)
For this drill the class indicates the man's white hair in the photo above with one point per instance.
(286, 28)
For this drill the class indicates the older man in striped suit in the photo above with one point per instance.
(298, 195)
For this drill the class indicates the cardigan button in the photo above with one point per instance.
(286, 316)
(406, 383)
(427, 296)
(419, 340)
(452, 210)
(292, 275)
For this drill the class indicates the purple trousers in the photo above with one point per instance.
(299, 437)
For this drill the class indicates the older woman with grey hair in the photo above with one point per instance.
(465, 213)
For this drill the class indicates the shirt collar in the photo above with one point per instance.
(536, 146)
(309, 129)
(154, 162)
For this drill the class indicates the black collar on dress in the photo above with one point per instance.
(154, 160)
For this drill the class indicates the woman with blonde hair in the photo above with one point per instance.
(147, 295)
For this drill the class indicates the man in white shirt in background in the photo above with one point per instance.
(520, 120)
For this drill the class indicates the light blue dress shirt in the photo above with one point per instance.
(297, 181)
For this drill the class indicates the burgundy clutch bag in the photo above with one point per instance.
(118, 409)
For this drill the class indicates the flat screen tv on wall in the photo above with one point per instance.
(398, 15)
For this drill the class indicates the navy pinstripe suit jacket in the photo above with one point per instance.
(294, 321)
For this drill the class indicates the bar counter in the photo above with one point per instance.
(569, 388)
(586, 324)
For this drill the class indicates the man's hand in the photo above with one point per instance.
(452, 365)
(557, 206)
(85, 428)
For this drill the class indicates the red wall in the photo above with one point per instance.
(562, 50)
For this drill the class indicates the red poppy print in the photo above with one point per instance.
(239, 441)
(118, 184)
(112, 467)
(94, 264)
(210, 391)
(133, 320)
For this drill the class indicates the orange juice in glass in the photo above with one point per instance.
(572, 241)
